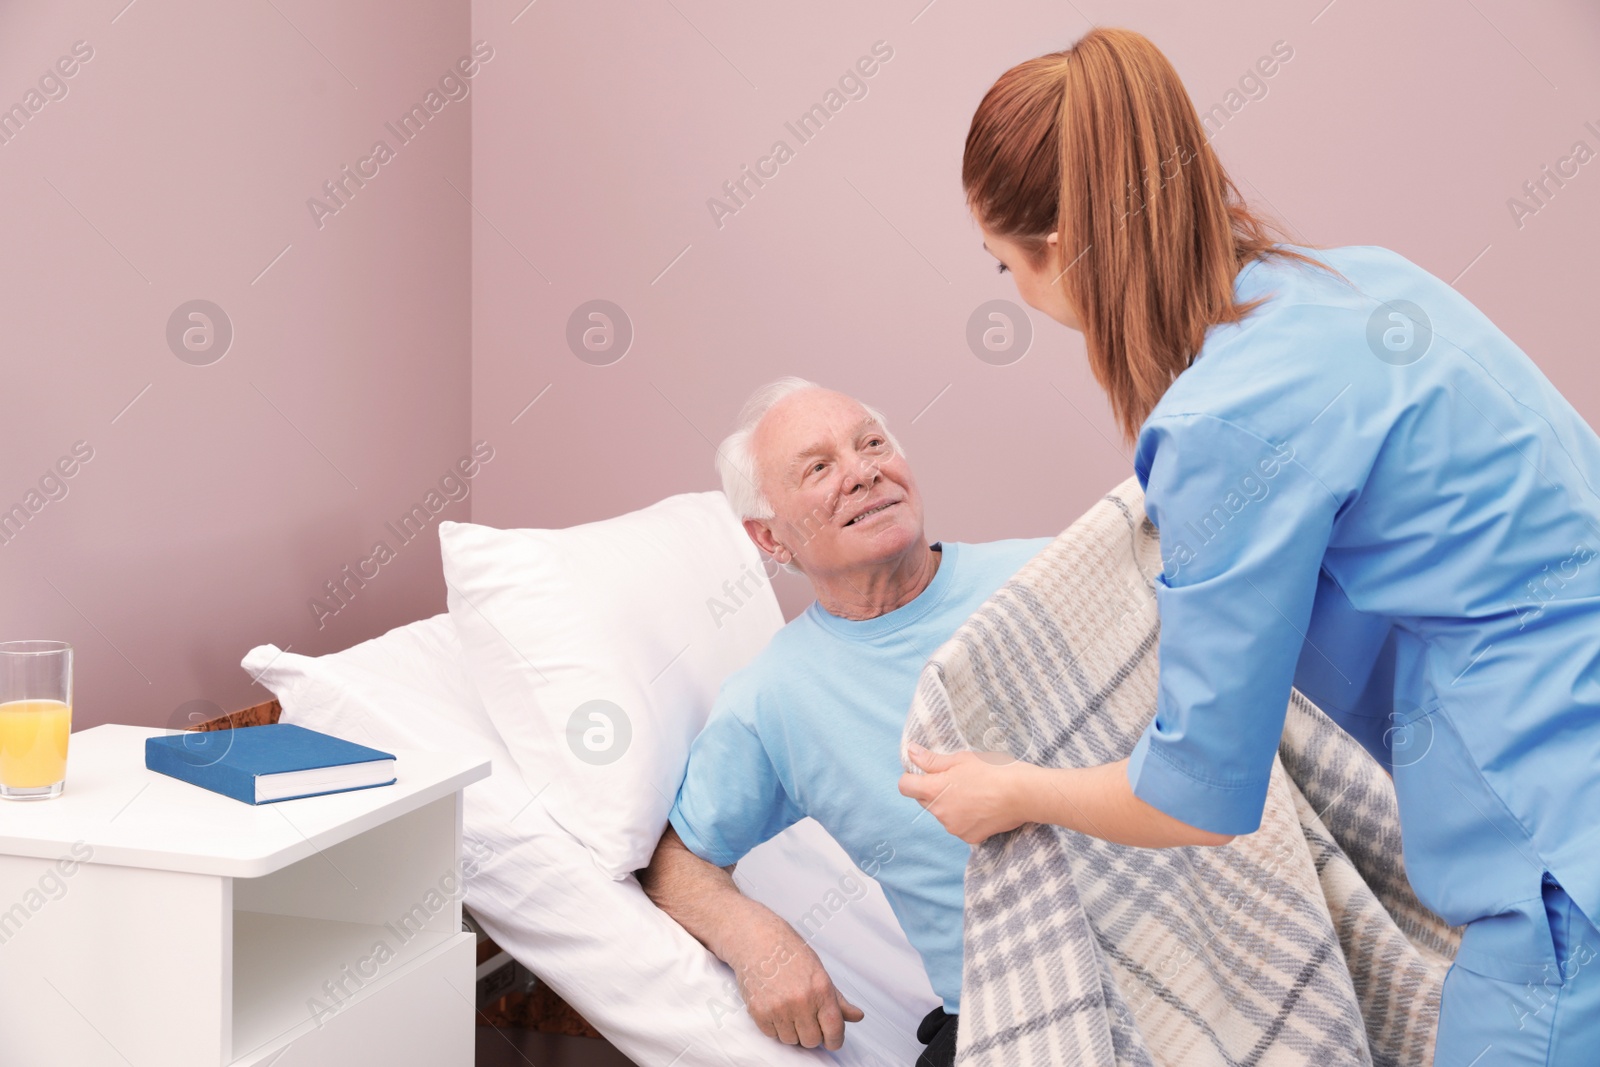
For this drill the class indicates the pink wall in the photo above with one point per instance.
(606, 128)
(177, 166)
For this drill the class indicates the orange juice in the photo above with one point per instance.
(33, 742)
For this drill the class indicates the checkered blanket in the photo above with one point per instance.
(1299, 944)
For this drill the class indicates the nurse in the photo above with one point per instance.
(1363, 489)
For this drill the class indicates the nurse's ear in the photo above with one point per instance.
(1056, 264)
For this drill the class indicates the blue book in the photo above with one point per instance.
(263, 764)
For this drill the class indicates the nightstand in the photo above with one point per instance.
(146, 921)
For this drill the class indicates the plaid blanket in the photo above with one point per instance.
(1299, 944)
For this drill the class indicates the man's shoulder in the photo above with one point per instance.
(788, 649)
(1006, 555)
(982, 568)
(795, 650)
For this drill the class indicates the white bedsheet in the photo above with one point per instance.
(655, 992)
(652, 989)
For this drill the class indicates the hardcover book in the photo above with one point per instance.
(265, 764)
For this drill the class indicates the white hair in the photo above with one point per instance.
(736, 459)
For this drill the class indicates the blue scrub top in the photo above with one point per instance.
(1366, 490)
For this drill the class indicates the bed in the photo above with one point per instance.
(537, 619)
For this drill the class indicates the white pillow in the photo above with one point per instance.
(597, 651)
(405, 689)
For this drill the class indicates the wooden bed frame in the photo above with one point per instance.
(538, 1008)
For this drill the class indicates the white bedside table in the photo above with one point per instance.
(148, 922)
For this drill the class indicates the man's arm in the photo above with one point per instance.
(785, 987)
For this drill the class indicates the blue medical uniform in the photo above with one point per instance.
(1366, 490)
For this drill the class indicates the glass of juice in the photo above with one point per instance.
(35, 718)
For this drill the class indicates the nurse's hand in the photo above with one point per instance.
(977, 794)
(973, 794)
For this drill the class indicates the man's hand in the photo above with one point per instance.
(973, 794)
(785, 987)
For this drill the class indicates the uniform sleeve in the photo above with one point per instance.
(1244, 525)
(732, 798)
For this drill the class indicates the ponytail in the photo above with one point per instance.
(1101, 145)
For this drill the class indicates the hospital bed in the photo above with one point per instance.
(540, 895)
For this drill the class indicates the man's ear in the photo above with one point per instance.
(761, 534)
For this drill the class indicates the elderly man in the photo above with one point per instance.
(812, 726)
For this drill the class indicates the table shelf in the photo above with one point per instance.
(280, 963)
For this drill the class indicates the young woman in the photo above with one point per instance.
(1364, 489)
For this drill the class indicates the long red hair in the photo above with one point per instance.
(1100, 144)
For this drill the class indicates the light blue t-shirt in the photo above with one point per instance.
(812, 727)
(1368, 490)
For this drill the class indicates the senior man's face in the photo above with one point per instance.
(842, 497)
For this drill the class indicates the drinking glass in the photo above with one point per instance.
(35, 718)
